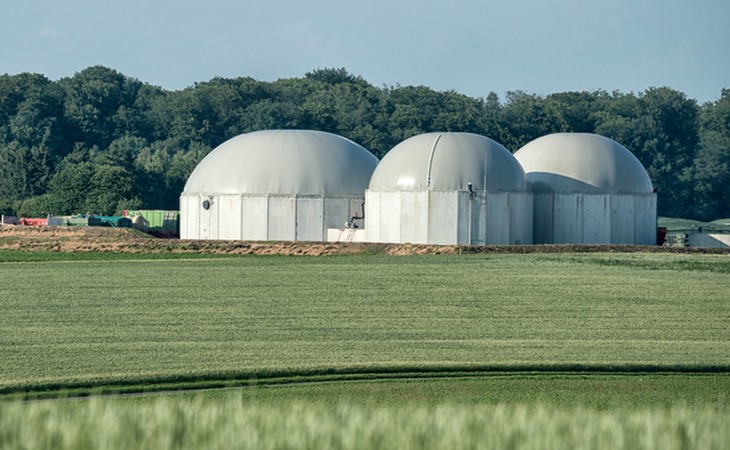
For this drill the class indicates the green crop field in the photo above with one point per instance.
(635, 345)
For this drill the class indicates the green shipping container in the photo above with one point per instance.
(115, 221)
(83, 221)
(160, 221)
(58, 221)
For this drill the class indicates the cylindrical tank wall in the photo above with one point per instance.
(449, 217)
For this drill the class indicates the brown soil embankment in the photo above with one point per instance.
(98, 239)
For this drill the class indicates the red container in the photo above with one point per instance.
(34, 222)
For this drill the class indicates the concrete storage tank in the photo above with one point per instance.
(588, 189)
(275, 185)
(449, 188)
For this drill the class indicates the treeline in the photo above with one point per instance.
(101, 142)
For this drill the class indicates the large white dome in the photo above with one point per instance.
(284, 162)
(582, 162)
(448, 162)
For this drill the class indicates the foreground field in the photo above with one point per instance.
(460, 351)
(508, 411)
(230, 424)
(166, 322)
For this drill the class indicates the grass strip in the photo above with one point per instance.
(277, 377)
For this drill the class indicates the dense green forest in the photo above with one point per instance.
(100, 141)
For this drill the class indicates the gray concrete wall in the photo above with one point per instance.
(567, 219)
(254, 218)
(594, 218)
(443, 221)
(448, 217)
(645, 231)
(521, 218)
(309, 223)
(543, 220)
(498, 218)
(229, 217)
(623, 219)
(709, 240)
(288, 218)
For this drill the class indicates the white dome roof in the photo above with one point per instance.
(582, 162)
(447, 162)
(284, 162)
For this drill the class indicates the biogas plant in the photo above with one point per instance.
(434, 188)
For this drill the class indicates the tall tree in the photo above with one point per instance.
(14, 90)
(578, 110)
(97, 104)
(419, 109)
(110, 188)
(182, 164)
(712, 166)
(492, 112)
(526, 117)
(660, 127)
(24, 171)
(70, 186)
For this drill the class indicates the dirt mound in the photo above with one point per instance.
(71, 232)
(100, 239)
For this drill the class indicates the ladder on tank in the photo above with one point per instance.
(347, 234)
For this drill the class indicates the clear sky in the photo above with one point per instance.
(470, 46)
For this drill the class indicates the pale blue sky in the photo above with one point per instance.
(470, 46)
